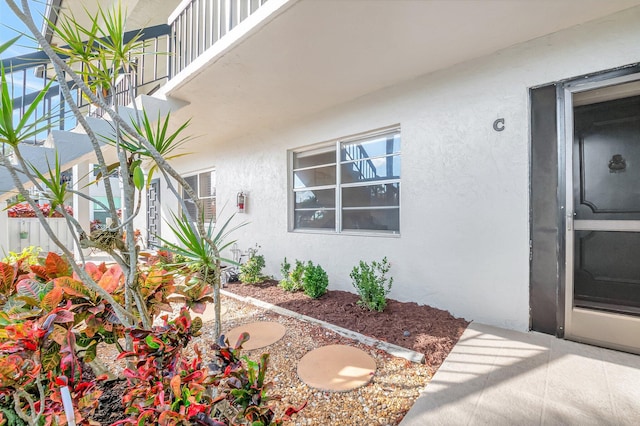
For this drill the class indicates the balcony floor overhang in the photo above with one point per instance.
(309, 55)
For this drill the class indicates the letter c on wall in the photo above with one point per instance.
(498, 125)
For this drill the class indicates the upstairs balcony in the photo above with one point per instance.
(251, 64)
(245, 65)
(29, 74)
(168, 49)
(196, 25)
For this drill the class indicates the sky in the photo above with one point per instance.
(9, 23)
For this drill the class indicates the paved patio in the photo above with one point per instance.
(502, 377)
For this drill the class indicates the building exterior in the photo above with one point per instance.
(486, 148)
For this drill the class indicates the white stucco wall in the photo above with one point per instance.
(464, 242)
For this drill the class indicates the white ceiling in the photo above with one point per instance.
(319, 53)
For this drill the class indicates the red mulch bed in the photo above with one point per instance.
(431, 331)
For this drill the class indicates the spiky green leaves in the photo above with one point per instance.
(5, 46)
(158, 135)
(29, 125)
(100, 46)
(198, 254)
(56, 188)
(160, 138)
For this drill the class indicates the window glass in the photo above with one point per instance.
(204, 185)
(315, 157)
(371, 195)
(192, 181)
(191, 208)
(368, 183)
(377, 146)
(381, 168)
(315, 219)
(209, 208)
(99, 213)
(371, 219)
(320, 176)
(105, 201)
(325, 198)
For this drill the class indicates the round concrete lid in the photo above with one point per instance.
(336, 368)
(261, 334)
(209, 313)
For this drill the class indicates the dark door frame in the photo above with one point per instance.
(547, 199)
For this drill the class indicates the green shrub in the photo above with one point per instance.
(314, 280)
(251, 271)
(371, 283)
(291, 280)
(28, 255)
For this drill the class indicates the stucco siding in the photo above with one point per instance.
(464, 243)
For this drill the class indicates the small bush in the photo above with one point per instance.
(371, 283)
(292, 280)
(28, 255)
(251, 271)
(314, 280)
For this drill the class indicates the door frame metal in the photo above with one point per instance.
(547, 273)
(601, 321)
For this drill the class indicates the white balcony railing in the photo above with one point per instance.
(199, 24)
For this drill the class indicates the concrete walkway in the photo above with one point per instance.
(502, 377)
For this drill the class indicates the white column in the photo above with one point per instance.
(4, 232)
(81, 206)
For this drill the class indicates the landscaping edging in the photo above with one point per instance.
(390, 348)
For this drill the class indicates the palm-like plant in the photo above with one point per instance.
(97, 55)
(202, 256)
(99, 48)
(56, 187)
(29, 125)
(158, 135)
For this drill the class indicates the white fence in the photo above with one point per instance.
(25, 232)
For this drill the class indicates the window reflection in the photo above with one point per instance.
(371, 195)
(368, 181)
(315, 219)
(316, 198)
(373, 220)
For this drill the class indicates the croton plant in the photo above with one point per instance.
(166, 388)
(51, 325)
(25, 210)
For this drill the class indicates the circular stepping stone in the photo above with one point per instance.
(209, 313)
(261, 334)
(336, 368)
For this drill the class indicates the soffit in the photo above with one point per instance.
(319, 53)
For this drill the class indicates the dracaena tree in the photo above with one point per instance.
(93, 58)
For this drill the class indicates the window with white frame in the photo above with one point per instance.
(349, 185)
(204, 184)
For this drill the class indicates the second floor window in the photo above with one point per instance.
(204, 184)
(350, 185)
